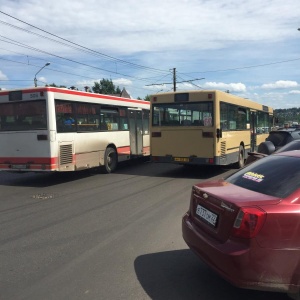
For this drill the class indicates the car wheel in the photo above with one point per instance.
(110, 160)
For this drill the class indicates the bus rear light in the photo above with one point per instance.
(42, 137)
(248, 222)
(207, 134)
(156, 134)
(210, 160)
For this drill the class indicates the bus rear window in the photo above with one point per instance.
(22, 116)
(183, 114)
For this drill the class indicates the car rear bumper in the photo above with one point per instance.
(245, 265)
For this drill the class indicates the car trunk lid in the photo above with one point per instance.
(215, 206)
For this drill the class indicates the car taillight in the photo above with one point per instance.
(248, 222)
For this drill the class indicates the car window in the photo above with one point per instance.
(274, 175)
(296, 135)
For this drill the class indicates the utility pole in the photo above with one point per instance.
(174, 79)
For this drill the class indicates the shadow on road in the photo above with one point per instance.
(181, 275)
(148, 168)
(41, 179)
(135, 167)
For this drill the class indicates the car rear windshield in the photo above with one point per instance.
(279, 138)
(274, 175)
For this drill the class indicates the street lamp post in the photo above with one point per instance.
(35, 80)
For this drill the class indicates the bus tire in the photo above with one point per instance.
(241, 158)
(110, 160)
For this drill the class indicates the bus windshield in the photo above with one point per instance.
(22, 116)
(183, 114)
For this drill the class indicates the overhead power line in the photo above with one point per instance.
(245, 67)
(77, 45)
(68, 43)
(8, 40)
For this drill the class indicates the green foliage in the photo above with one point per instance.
(147, 98)
(105, 86)
(283, 115)
(54, 85)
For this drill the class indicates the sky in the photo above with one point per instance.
(250, 48)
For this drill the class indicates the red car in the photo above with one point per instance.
(247, 226)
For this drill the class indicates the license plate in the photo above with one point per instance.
(18, 166)
(207, 215)
(181, 159)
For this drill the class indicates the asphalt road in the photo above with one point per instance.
(90, 235)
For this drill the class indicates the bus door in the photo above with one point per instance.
(136, 131)
(253, 131)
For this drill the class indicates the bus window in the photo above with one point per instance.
(109, 118)
(88, 116)
(242, 118)
(64, 110)
(183, 114)
(263, 122)
(123, 119)
(233, 117)
(21, 116)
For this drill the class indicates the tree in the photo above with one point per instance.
(54, 85)
(147, 98)
(106, 86)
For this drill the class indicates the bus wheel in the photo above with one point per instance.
(110, 160)
(241, 158)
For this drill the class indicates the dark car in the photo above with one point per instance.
(253, 156)
(276, 140)
(280, 138)
(247, 226)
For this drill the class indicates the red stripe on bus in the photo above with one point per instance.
(146, 150)
(123, 150)
(86, 94)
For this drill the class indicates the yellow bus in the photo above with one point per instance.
(206, 127)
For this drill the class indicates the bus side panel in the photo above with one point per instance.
(229, 145)
(88, 148)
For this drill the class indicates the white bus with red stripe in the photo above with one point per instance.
(56, 129)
